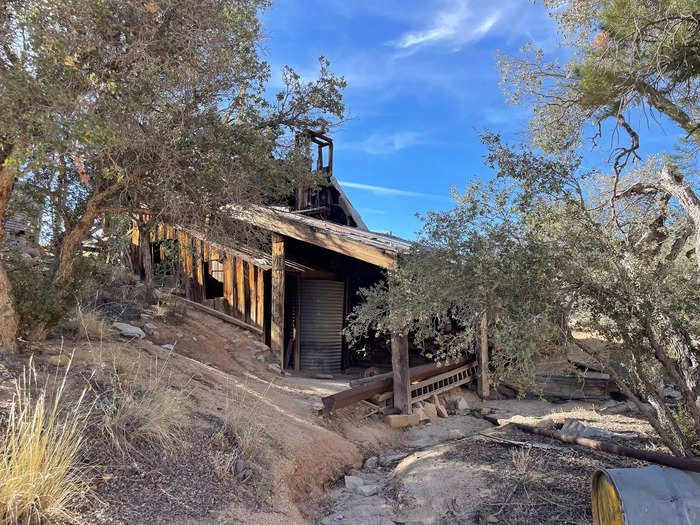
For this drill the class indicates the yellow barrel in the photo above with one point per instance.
(645, 496)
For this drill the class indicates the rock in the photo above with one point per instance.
(260, 357)
(455, 433)
(323, 376)
(462, 404)
(275, 368)
(402, 420)
(441, 410)
(367, 490)
(239, 466)
(331, 519)
(353, 482)
(430, 412)
(491, 518)
(150, 328)
(371, 463)
(107, 477)
(169, 347)
(58, 360)
(127, 330)
(387, 459)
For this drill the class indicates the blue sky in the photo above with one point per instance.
(421, 80)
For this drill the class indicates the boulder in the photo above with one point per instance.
(462, 405)
(150, 328)
(169, 346)
(127, 330)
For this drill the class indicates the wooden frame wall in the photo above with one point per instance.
(243, 286)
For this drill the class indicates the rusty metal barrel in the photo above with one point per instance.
(646, 496)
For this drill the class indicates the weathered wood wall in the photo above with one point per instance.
(243, 281)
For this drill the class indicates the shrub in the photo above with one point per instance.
(40, 470)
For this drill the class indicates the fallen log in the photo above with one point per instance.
(381, 385)
(683, 463)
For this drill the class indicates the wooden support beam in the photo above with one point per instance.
(277, 299)
(252, 294)
(240, 290)
(228, 282)
(401, 373)
(483, 384)
(260, 302)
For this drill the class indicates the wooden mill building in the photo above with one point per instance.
(297, 295)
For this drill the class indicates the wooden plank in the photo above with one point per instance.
(228, 282)
(240, 290)
(401, 373)
(260, 294)
(251, 294)
(277, 299)
(483, 383)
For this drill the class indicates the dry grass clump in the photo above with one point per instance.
(239, 446)
(92, 326)
(40, 470)
(141, 412)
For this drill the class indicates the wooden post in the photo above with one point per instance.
(277, 299)
(483, 383)
(260, 304)
(240, 290)
(228, 283)
(252, 294)
(402, 375)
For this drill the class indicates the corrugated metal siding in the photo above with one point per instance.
(321, 343)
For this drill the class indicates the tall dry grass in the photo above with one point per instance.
(40, 470)
(141, 412)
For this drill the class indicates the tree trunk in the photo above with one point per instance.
(9, 322)
(689, 201)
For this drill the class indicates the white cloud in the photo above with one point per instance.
(385, 190)
(385, 143)
(456, 26)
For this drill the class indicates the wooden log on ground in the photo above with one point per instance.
(683, 463)
(379, 386)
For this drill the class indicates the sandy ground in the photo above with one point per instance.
(447, 471)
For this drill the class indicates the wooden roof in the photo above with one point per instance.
(376, 248)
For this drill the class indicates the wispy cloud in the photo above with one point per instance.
(455, 26)
(385, 190)
(385, 143)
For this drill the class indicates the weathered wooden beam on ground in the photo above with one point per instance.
(683, 463)
(355, 395)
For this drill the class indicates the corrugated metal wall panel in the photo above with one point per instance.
(321, 343)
